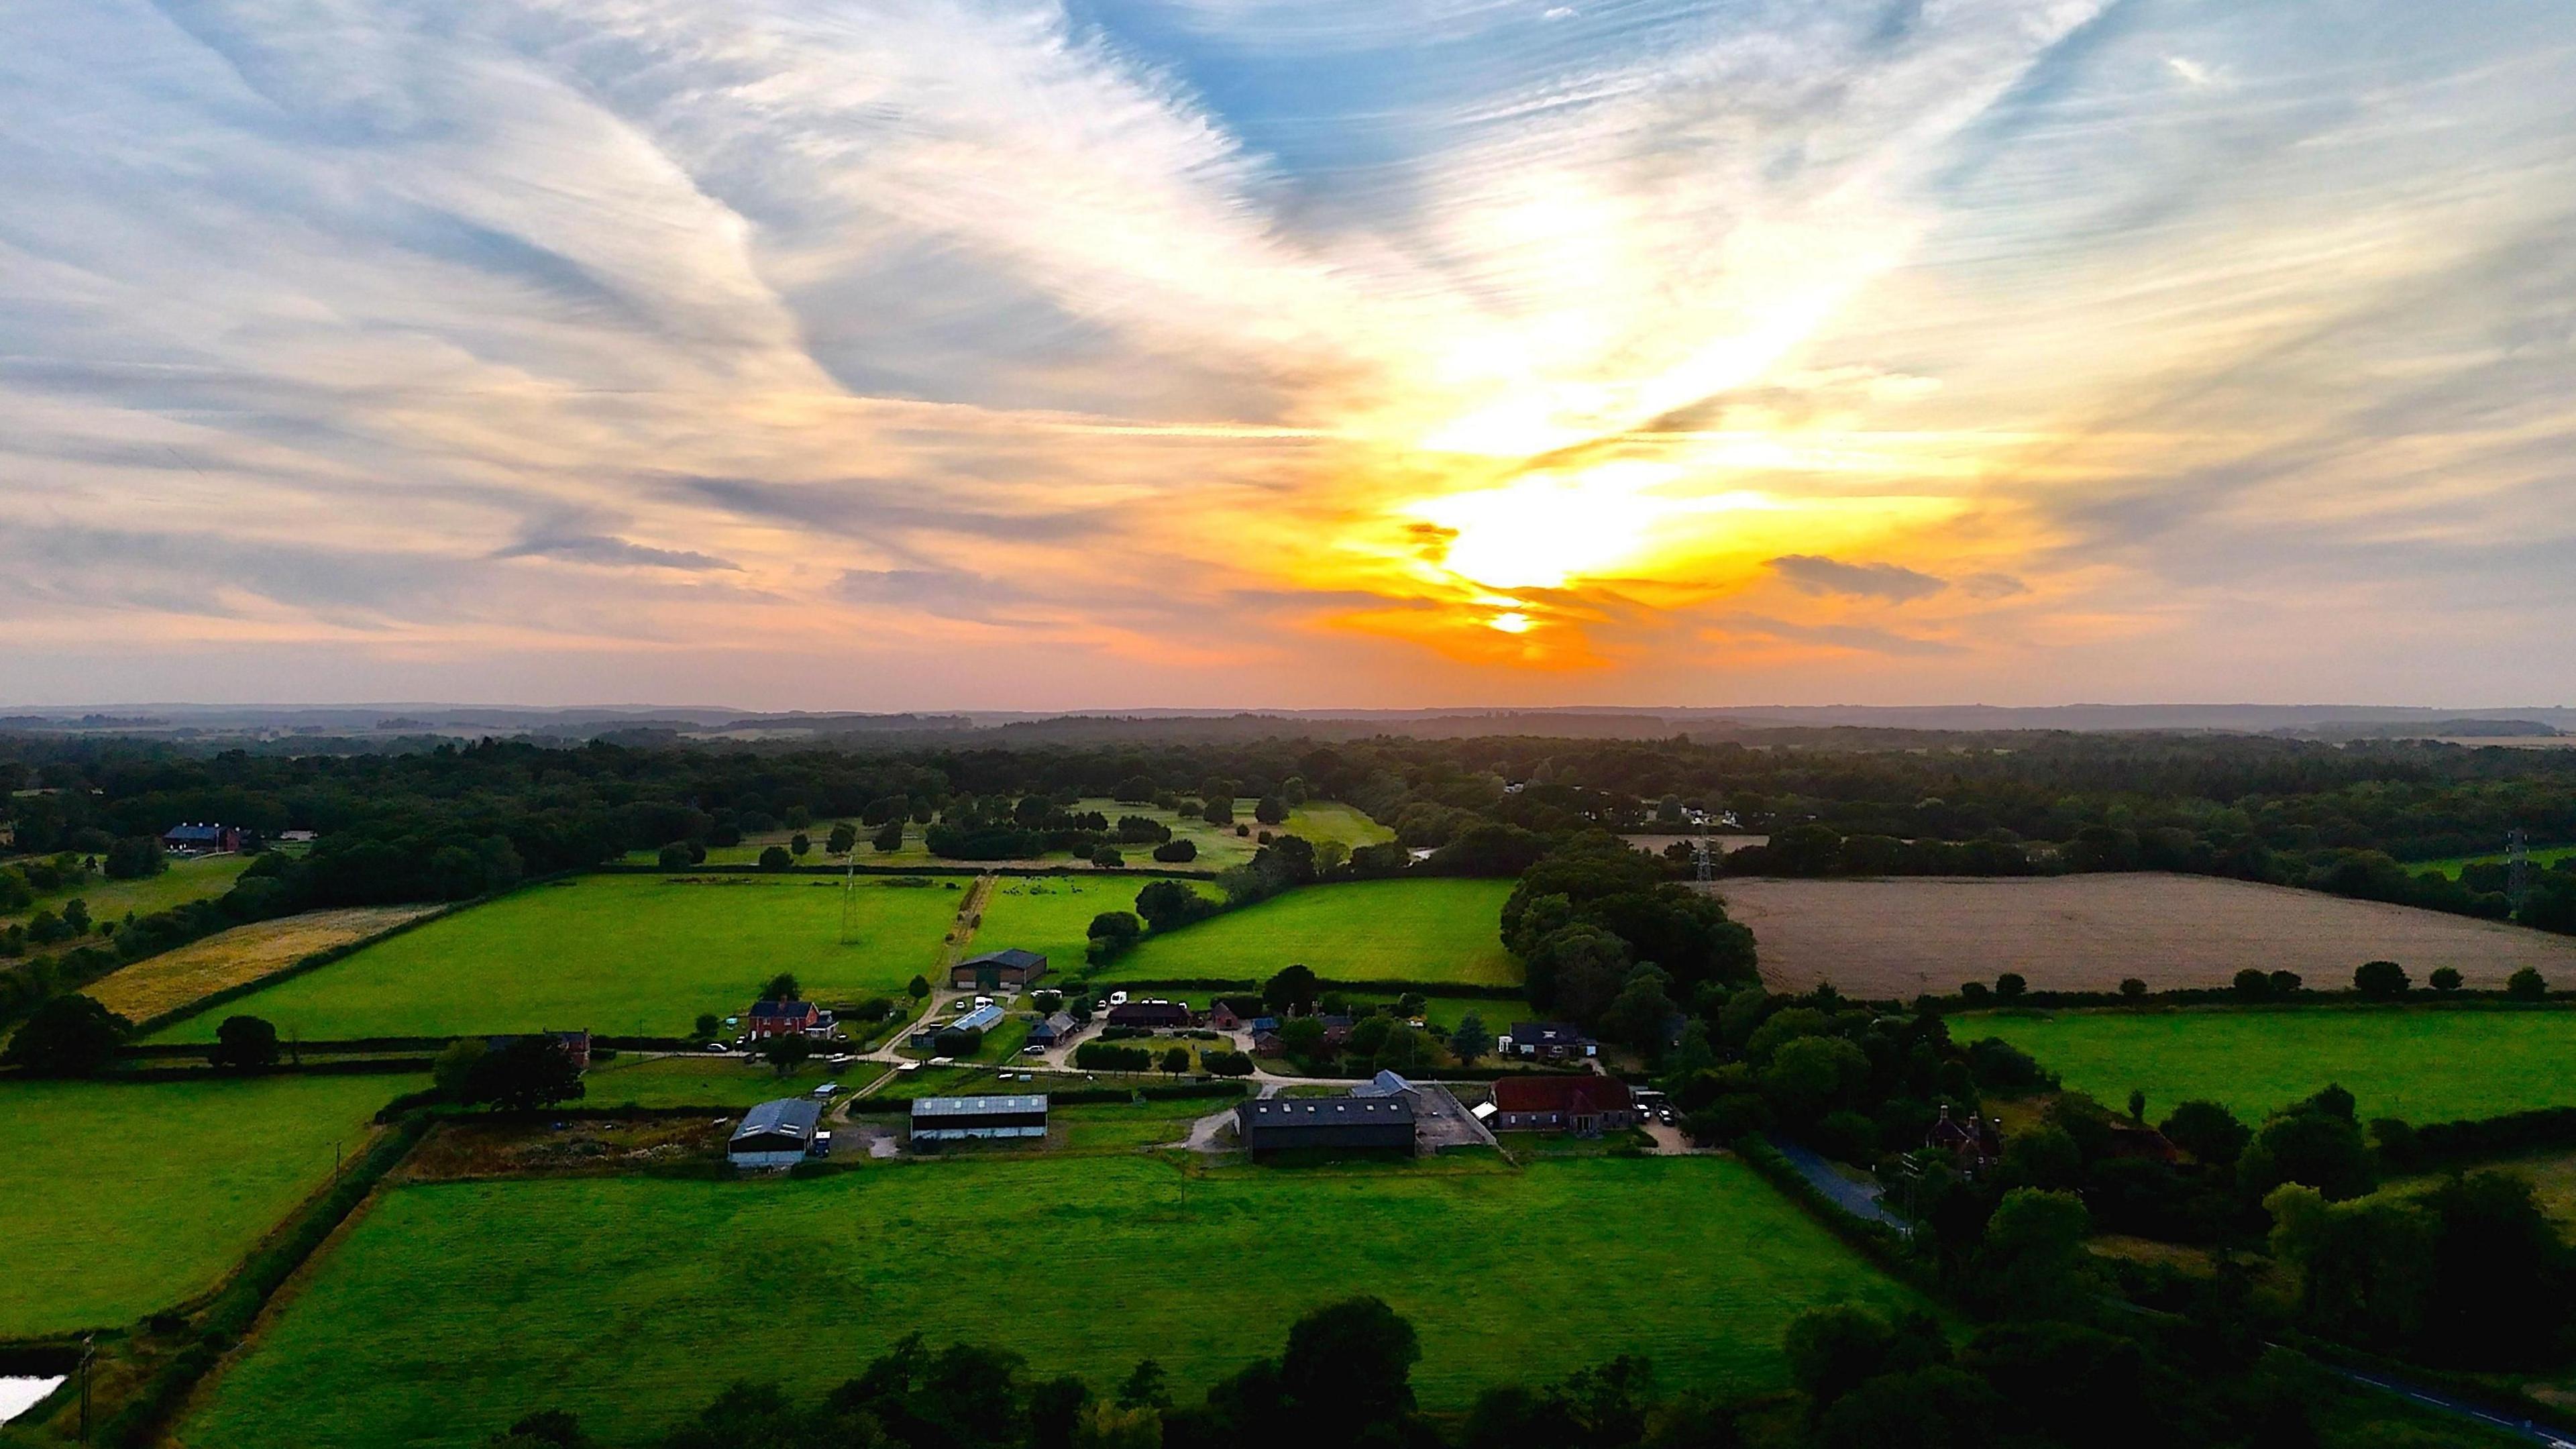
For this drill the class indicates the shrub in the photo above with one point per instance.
(2380, 980)
(1227, 1064)
(776, 858)
(2253, 985)
(2444, 980)
(1108, 858)
(1102, 1056)
(2010, 985)
(2133, 988)
(1177, 852)
(677, 856)
(2526, 984)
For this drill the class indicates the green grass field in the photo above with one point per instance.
(454, 1307)
(634, 954)
(1052, 915)
(2421, 1064)
(711, 1081)
(110, 900)
(1391, 930)
(2545, 859)
(118, 1199)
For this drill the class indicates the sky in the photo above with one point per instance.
(886, 354)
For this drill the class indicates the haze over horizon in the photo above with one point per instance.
(1020, 355)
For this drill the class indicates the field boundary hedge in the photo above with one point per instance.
(355, 1067)
(2306, 998)
(313, 961)
(1070, 868)
(1078, 1097)
(2475, 1139)
(1391, 986)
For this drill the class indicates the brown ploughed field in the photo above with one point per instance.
(1901, 937)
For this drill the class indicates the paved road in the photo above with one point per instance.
(1852, 1197)
(2460, 1408)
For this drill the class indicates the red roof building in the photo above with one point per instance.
(1586, 1105)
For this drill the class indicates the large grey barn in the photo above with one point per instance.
(958, 1119)
(1347, 1124)
(775, 1134)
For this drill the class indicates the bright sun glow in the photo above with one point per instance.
(1510, 621)
(1536, 532)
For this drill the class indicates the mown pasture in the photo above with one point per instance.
(711, 1081)
(1051, 915)
(121, 1198)
(1898, 939)
(622, 954)
(455, 1306)
(164, 983)
(2422, 1064)
(192, 878)
(1442, 930)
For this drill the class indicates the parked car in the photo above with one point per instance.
(717, 1046)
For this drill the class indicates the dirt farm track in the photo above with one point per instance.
(1897, 938)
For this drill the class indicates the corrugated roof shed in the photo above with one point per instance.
(977, 1106)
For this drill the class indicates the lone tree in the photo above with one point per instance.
(1270, 810)
(2010, 985)
(708, 1024)
(2444, 979)
(799, 843)
(69, 1036)
(2526, 984)
(675, 856)
(781, 987)
(1176, 1060)
(776, 858)
(2380, 980)
(889, 838)
(1291, 991)
(843, 839)
(1470, 1040)
(243, 1044)
(919, 988)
